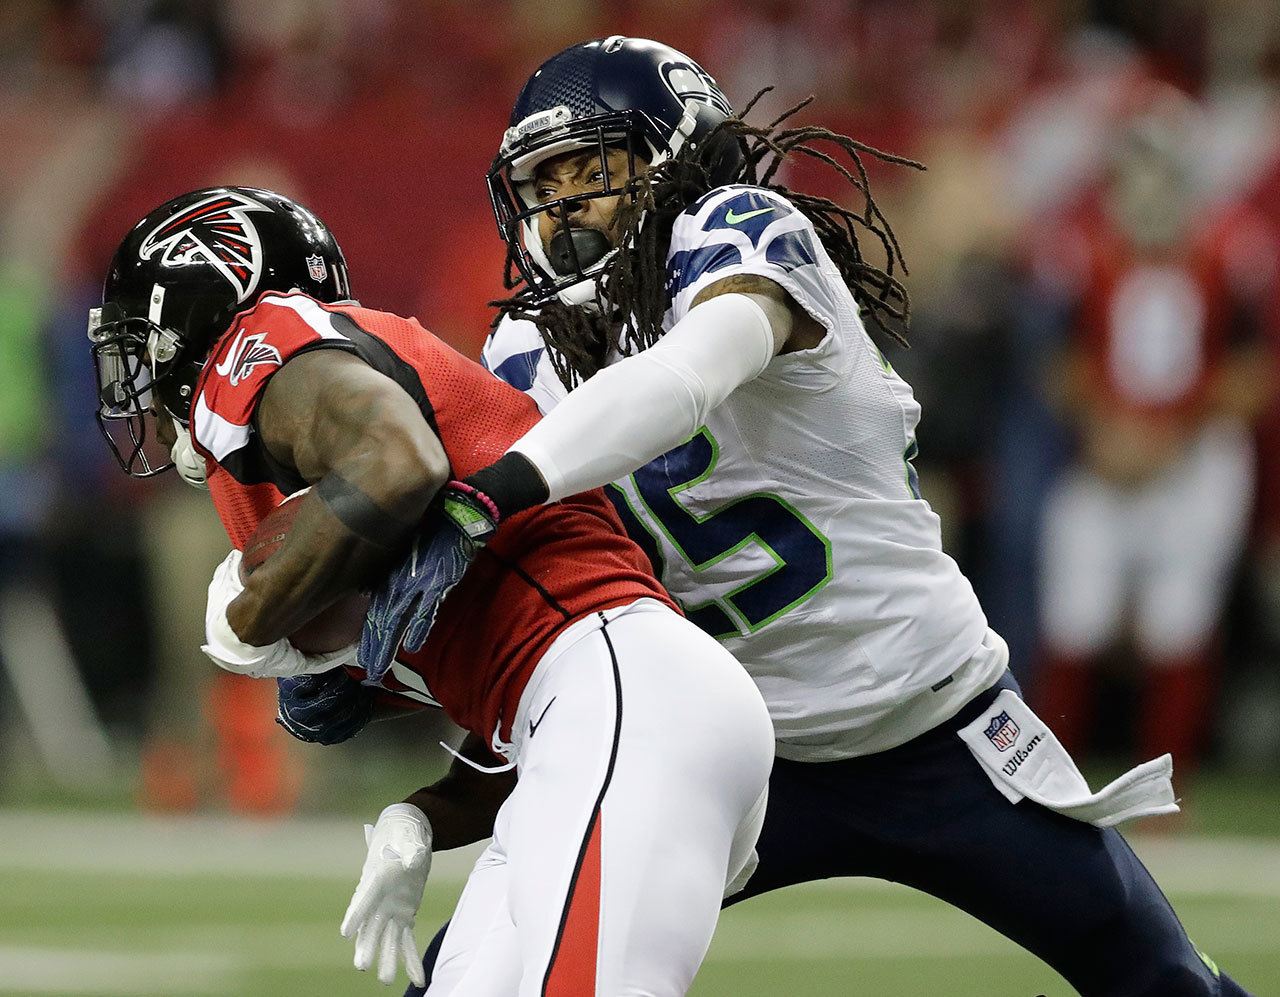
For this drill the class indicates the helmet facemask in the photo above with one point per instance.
(569, 267)
(141, 377)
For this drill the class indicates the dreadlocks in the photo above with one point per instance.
(633, 283)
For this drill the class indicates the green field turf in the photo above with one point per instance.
(118, 905)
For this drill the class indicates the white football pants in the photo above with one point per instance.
(644, 753)
(1165, 549)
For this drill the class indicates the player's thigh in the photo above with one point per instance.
(926, 815)
(691, 794)
(1198, 518)
(1082, 564)
(636, 792)
(694, 725)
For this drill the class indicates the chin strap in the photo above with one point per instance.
(581, 295)
(190, 465)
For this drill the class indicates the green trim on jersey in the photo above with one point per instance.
(884, 362)
(913, 476)
(913, 449)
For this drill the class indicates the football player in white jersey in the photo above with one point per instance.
(692, 330)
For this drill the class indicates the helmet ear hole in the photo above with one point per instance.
(723, 155)
(177, 390)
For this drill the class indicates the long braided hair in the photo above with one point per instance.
(631, 293)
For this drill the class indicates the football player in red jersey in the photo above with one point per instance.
(227, 312)
(1163, 374)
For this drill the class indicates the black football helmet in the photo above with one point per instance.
(622, 93)
(175, 284)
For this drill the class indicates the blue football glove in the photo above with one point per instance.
(403, 608)
(327, 708)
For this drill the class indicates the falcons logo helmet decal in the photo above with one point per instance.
(217, 231)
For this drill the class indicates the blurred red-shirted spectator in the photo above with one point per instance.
(1165, 371)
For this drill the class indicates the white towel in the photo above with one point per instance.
(1024, 760)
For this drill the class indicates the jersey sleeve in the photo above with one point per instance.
(516, 354)
(1246, 255)
(263, 339)
(752, 230)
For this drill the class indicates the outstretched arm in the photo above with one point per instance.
(374, 464)
(641, 407)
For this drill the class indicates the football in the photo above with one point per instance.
(338, 625)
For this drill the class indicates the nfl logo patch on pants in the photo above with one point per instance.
(1002, 731)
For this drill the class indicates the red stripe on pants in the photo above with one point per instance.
(573, 963)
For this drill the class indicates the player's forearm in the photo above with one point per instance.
(320, 561)
(637, 409)
(349, 526)
(458, 820)
(375, 465)
(333, 549)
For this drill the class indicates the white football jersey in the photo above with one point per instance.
(791, 525)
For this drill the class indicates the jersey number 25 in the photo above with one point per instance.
(800, 553)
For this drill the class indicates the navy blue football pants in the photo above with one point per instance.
(924, 814)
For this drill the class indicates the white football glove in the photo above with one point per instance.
(226, 650)
(385, 905)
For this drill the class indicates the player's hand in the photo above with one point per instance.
(385, 905)
(226, 650)
(403, 608)
(324, 709)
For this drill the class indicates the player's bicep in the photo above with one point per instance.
(793, 327)
(327, 411)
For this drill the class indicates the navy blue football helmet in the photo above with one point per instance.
(613, 93)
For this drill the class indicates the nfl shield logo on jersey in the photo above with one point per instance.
(316, 267)
(1002, 731)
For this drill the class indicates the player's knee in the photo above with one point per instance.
(1180, 978)
(1139, 949)
(1230, 988)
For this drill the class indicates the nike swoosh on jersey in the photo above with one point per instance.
(732, 218)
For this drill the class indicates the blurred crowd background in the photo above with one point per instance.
(1094, 264)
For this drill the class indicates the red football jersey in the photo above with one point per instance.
(1156, 330)
(543, 569)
